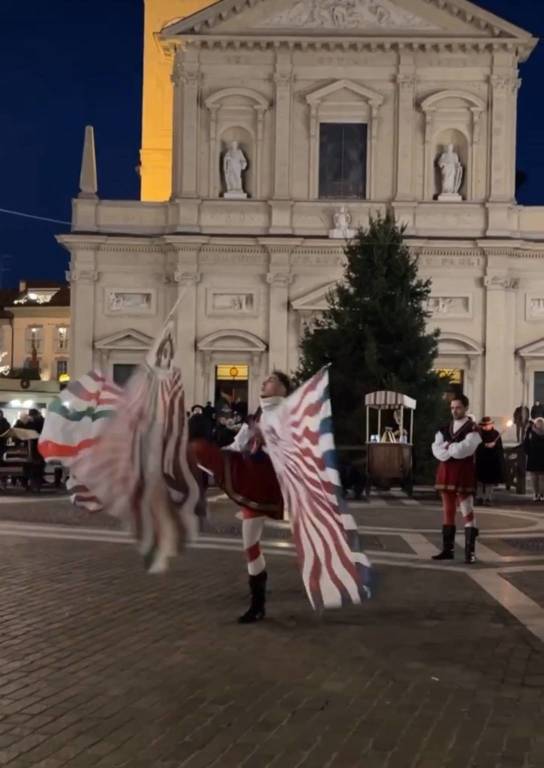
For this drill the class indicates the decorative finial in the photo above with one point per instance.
(88, 186)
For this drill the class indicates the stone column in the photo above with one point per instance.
(428, 178)
(83, 276)
(406, 84)
(474, 153)
(185, 77)
(503, 115)
(282, 142)
(187, 277)
(213, 189)
(499, 395)
(313, 176)
(255, 376)
(279, 278)
(258, 191)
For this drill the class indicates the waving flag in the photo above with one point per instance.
(74, 421)
(300, 443)
(140, 469)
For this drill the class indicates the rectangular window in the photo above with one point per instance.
(62, 367)
(122, 372)
(342, 160)
(34, 339)
(62, 338)
(539, 387)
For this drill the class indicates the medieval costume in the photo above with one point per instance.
(244, 471)
(454, 446)
(534, 448)
(489, 462)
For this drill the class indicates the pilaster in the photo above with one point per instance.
(187, 277)
(504, 86)
(83, 276)
(185, 77)
(279, 278)
(406, 85)
(283, 79)
(500, 373)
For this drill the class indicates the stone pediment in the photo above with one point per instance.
(349, 18)
(534, 349)
(313, 301)
(129, 339)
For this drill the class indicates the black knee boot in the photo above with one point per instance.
(257, 587)
(448, 543)
(471, 534)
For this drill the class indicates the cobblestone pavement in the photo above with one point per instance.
(103, 665)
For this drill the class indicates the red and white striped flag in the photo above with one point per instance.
(140, 469)
(300, 442)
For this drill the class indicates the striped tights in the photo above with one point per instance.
(252, 530)
(451, 501)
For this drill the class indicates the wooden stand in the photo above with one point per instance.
(389, 464)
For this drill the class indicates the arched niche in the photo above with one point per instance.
(457, 114)
(237, 114)
(460, 143)
(246, 142)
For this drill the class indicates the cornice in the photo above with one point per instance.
(520, 47)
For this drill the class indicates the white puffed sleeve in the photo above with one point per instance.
(466, 447)
(242, 440)
(440, 452)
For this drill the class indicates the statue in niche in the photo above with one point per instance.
(234, 164)
(342, 224)
(451, 171)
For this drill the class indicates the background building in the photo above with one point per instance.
(331, 104)
(34, 344)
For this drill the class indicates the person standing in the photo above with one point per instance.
(534, 448)
(454, 447)
(273, 390)
(244, 471)
(521, 419)
(537, 411)
(489, 462)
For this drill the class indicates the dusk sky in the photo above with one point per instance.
(68, 63)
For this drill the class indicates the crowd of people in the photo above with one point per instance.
(16, 451)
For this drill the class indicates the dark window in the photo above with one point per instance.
(539, 387)
(62, 367)
(342, 160)
(122, 373)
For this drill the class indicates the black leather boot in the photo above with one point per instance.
(448, 543)
(256, 611)
(471, 534)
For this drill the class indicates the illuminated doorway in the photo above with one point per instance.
(454, 378)
(231, 388)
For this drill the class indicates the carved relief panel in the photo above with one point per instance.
(129, 301)
(450, 307)
(229, 303)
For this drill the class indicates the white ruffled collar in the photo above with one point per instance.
(268, 403)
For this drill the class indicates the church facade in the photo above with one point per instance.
(291, 124)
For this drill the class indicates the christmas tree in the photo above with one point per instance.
(374, 335)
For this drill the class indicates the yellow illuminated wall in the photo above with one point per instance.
(156, 151)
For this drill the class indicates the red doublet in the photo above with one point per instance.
(457, 475)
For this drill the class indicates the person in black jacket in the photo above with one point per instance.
(534, 448)
(489, 461)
